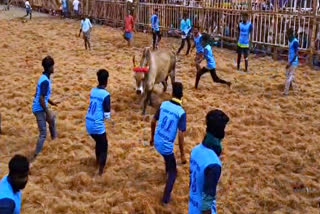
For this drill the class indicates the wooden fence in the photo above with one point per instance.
(270, 18)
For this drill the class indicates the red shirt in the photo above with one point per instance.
(128, 23)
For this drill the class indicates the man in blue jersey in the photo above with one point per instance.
(211, 63)
(40, 104)
(155, 29)
(197, 38)
(172, 118)
(244, 29)
(85, 28)
(292, 61)
(98, 111)
(185, 28)
(205, 165)
(12, 184)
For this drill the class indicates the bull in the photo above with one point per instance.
(161, 64)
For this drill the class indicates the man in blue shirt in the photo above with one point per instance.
(292, 61)
(85, 28)
(40, 104)
(98, 111)
(197, 38)
(64, 7)
(172, 118)
(12, 184)
(205, 165)
(211, 63)
(185, 28)
(244, 29)
(155, 29)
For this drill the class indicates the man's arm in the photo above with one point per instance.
(7, 206)
(182, 126)
(212, 174)
(153, 125)
(107, 108)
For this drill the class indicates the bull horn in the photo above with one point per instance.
(134, 61)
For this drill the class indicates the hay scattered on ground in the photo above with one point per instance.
(271, 146)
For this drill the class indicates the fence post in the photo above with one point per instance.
(275, 28)
(313, 31)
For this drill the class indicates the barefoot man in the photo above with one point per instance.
(172, 118)
(85, 28)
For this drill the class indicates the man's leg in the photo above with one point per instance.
(246, 58)
(171, 168)
(199, 74)
(198, 60)
(154, 36)
(41, 121)
(102, 150)
(158, 39)
(239, 50)
(52, 126)
(289, 79)
(181, 46)
(189, 45)
(215, 78)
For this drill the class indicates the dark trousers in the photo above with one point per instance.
(171, 172)
(156, 38)
(245, 52)
(182, 45)
(101, 150)
(214, 76)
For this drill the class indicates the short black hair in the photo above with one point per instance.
(244, 14)
(177, 90)
(290, 31)
(47, 63)
(156, 9)
(103, 76)
(216, 121)
(205, 37)
(19, 164)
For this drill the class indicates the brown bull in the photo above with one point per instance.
(161, 64)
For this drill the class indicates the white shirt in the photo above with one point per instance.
(27, 4)
(76, 5)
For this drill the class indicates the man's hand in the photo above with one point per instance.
(151, 142)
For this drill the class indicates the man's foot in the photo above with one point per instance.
(100, 170)
(229, 84)
(285, 94)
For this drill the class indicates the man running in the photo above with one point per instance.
(128, 27)
(85, 28)
(244, 29)
(98, 111)
(197, 38)
(205, 165)
(12, 184)
(40, 105)
(211, 63)
(292, 61)
(185, 27)
(172, 118)
(28, 9)
(155, 29)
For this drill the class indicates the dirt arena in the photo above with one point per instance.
(271, 150)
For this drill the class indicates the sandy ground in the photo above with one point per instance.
(271, 150)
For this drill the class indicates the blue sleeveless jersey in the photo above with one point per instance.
(36, 106)
(200, 158)
(167, 127)
(197, 42)
(155, 22)
(94, 117)
(6, 191)
(185, 26)
(243, 41)
(211, 63)
(292, 52)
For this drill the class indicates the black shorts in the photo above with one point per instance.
(244, 51)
